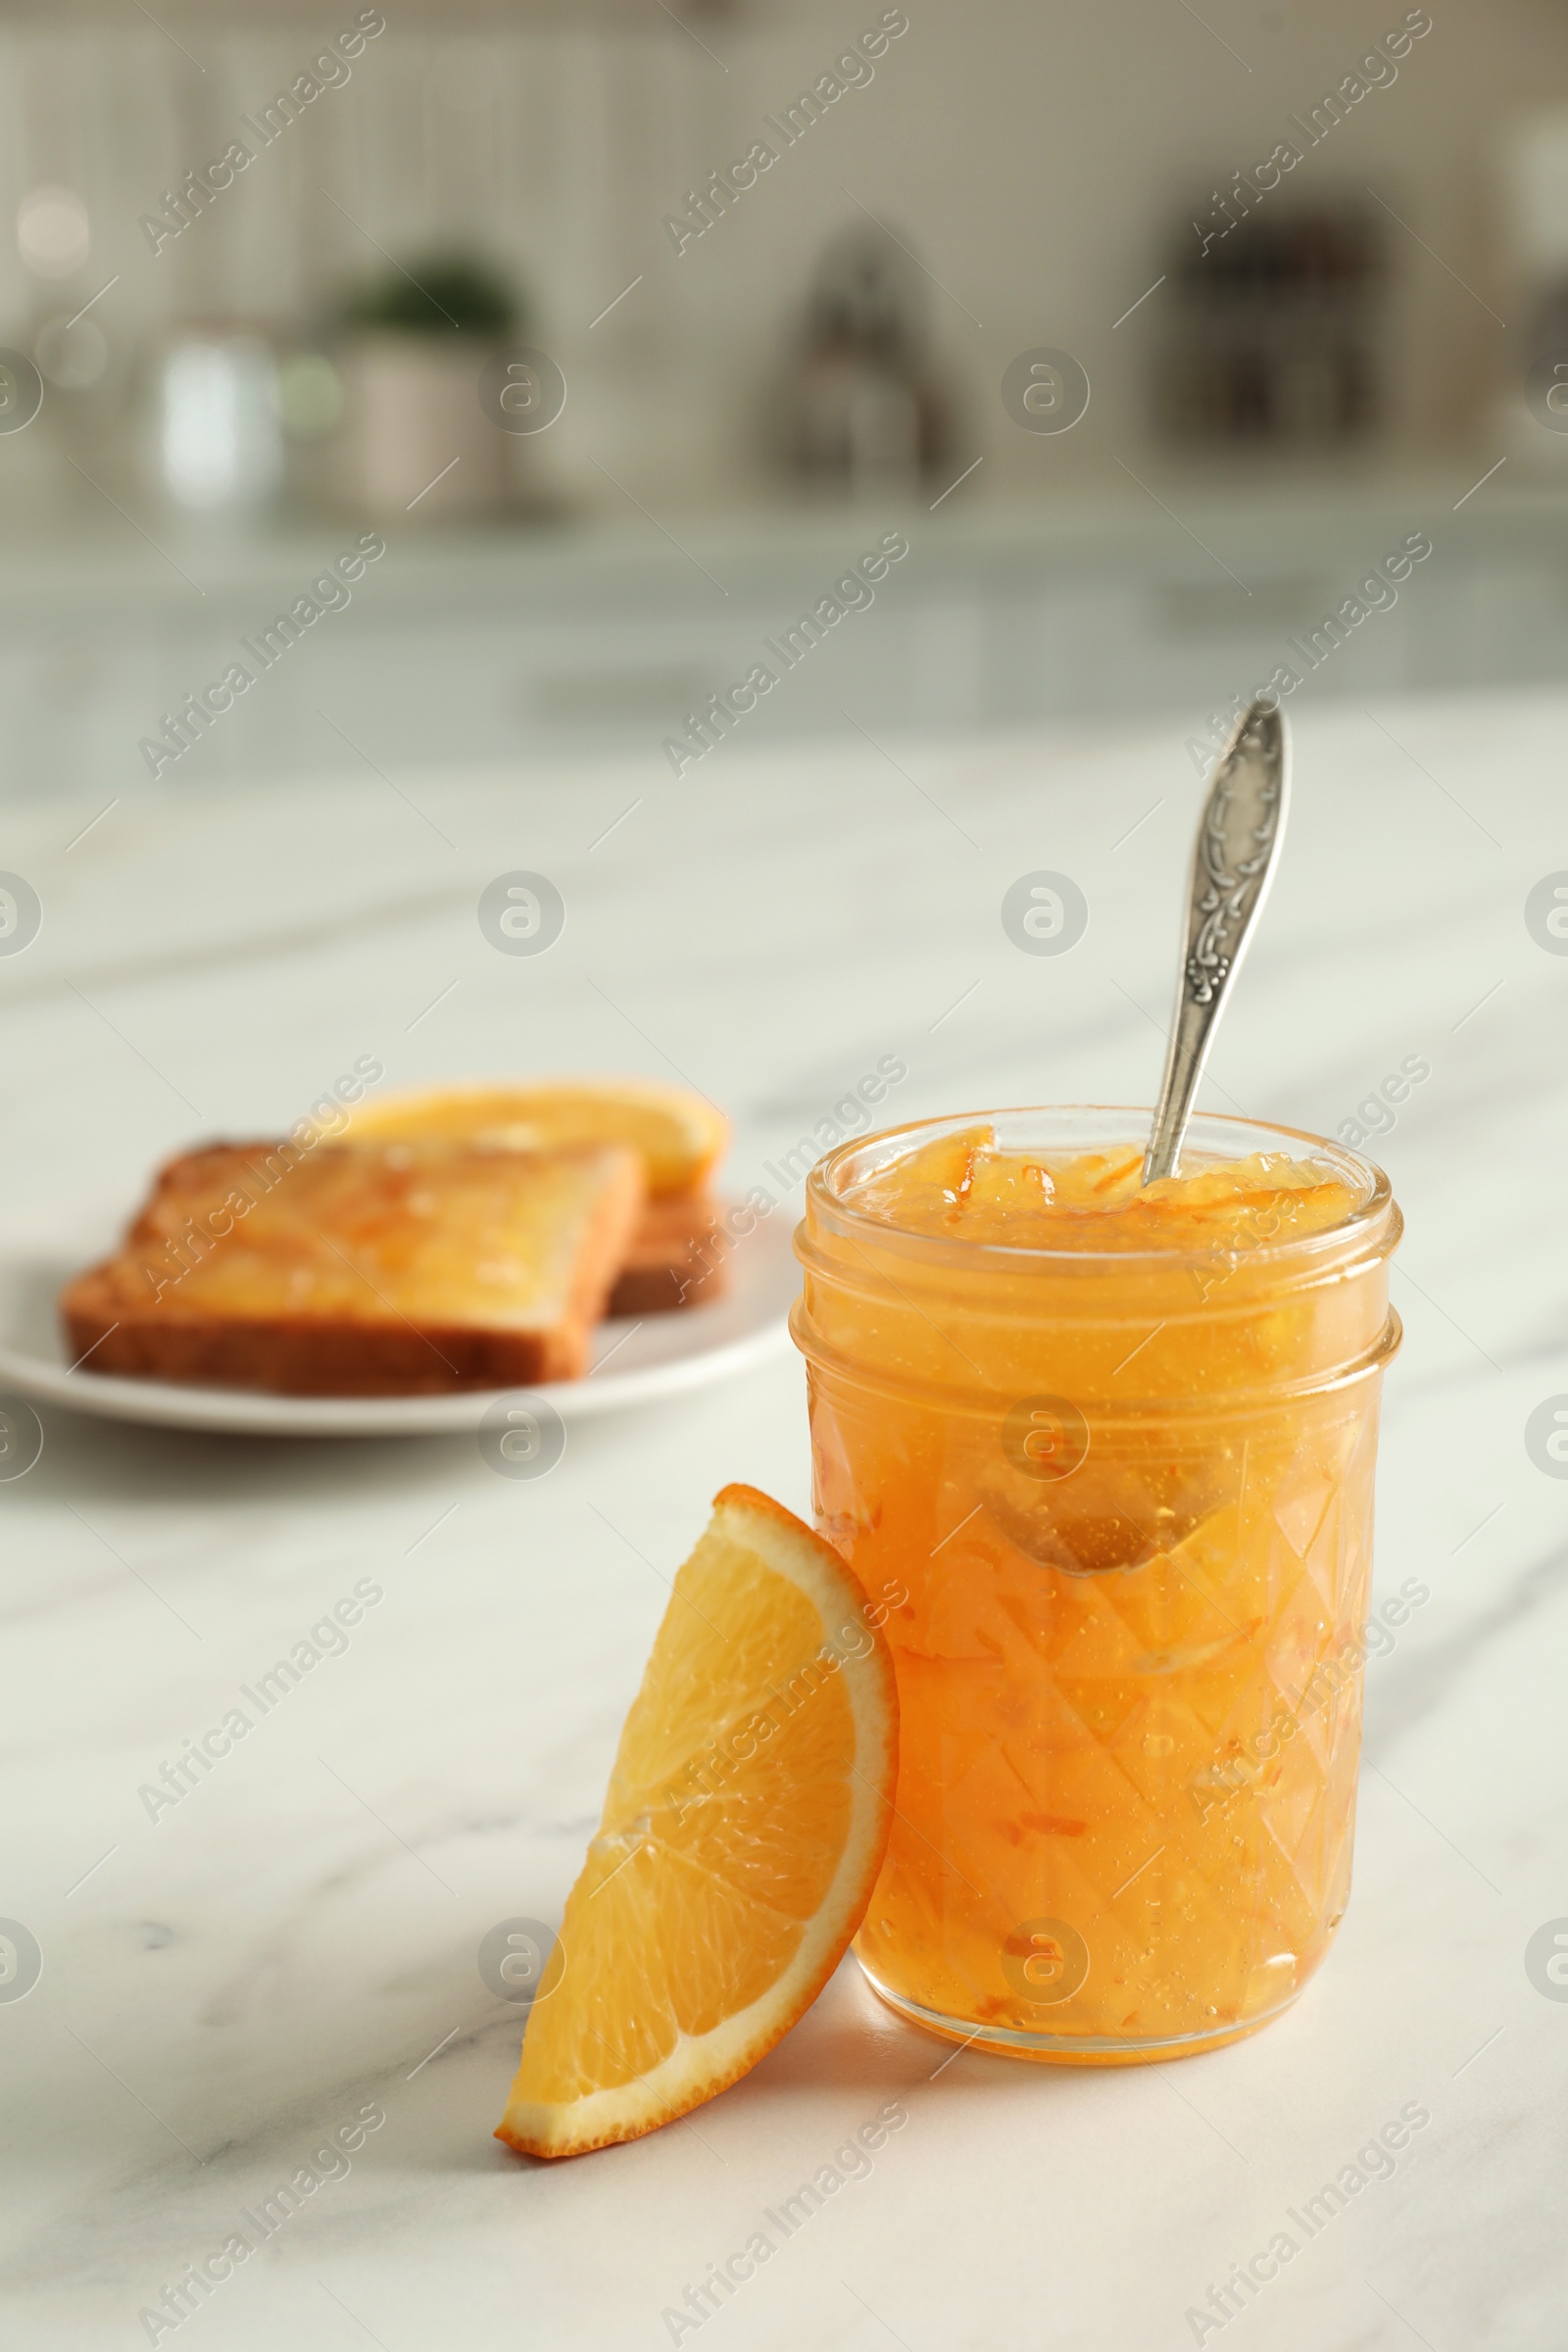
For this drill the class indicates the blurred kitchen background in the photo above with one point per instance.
(476, 289)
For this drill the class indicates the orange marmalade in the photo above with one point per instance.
(1114, 1445)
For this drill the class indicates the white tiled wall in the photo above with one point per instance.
(1036, 157)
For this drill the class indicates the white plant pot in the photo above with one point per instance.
(414, 442)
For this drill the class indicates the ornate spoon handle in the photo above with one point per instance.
(1238, 835)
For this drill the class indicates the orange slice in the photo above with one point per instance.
(741, 1833)
(679, 1134)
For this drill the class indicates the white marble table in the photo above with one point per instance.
(295, 1943)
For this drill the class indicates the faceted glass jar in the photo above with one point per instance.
(1118, 1507)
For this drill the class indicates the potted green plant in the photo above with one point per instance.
(416, 442)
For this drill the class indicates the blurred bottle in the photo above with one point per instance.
(219, 446)
(865, 407)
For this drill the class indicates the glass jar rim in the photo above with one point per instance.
(1372, 1212)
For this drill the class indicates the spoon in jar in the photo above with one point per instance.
(1238, 835)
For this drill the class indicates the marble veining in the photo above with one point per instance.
(227, 1985)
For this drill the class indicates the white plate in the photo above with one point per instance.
(633, 1360)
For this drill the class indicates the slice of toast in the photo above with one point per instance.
(362, 1270)
(678, 1256)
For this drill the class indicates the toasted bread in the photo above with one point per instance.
(678, 1256)
(680, 1134)
(362, 1270)
(677, 1253)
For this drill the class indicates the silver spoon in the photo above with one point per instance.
(1238, 835)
